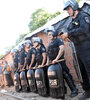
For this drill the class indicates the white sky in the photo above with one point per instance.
(15, 17)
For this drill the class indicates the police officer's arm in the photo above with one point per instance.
(43, 50)
(83, 28)
(32, 60)
(44, 58)
(60, 53)
(47, 61)
(36, 65)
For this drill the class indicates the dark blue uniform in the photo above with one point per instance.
(79, 33)
(21, 57)
(39, 56)
(53, 50)
(44, 87)
(15, 61)
(29, 56)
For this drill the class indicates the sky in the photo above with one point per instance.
(15, 17)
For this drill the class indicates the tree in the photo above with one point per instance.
(9, 48)
(1, 55)
(39, 18)
(78, 0)
(21, 37)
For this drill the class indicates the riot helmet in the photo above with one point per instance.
(20, 48)
(51, 29)
(27, 43)
(37, 39)
(71, 3)
(14, 51)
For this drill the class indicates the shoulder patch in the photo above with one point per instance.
(87, 20)
(34, 51)
(61, 40)
(43, 48)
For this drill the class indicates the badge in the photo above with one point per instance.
(76, 23)
(87, 20)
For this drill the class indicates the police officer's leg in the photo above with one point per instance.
(7, 79)
(68, 78)
(47, 81)
(85, 84)
(11, 80)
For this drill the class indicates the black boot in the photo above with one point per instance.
(85, 95)
(70, 82)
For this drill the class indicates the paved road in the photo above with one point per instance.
(32, 96)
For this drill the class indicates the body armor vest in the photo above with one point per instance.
(39, 56)
(53, 50)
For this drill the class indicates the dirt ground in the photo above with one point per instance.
(32, 96)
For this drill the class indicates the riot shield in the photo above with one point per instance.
(75, 61)
(42, 82)
(23, 80)
(31, 80)
(56, 82)
(17, 82)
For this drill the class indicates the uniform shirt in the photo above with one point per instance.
(29, 56)
(79, 27)
(53, 48)
(21, 57)
(39, 52)
(59, 41)
(16, 60)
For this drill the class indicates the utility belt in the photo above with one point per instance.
(81, 38)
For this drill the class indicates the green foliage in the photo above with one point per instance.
(39, 18)
(1, 55)
(9, 48)
(78, 0)
(21, 37)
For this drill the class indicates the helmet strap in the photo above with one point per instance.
(37, 45)
(73, 13)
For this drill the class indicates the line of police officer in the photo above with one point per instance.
(50, 80)
(44, 80)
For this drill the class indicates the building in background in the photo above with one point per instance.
(61, 23)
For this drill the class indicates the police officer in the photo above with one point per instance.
(55, 52)
(22, 65)
(14, 53)
(21, 57)
(40, 51)
(31, 62)
(40, 61)
(79, 33)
